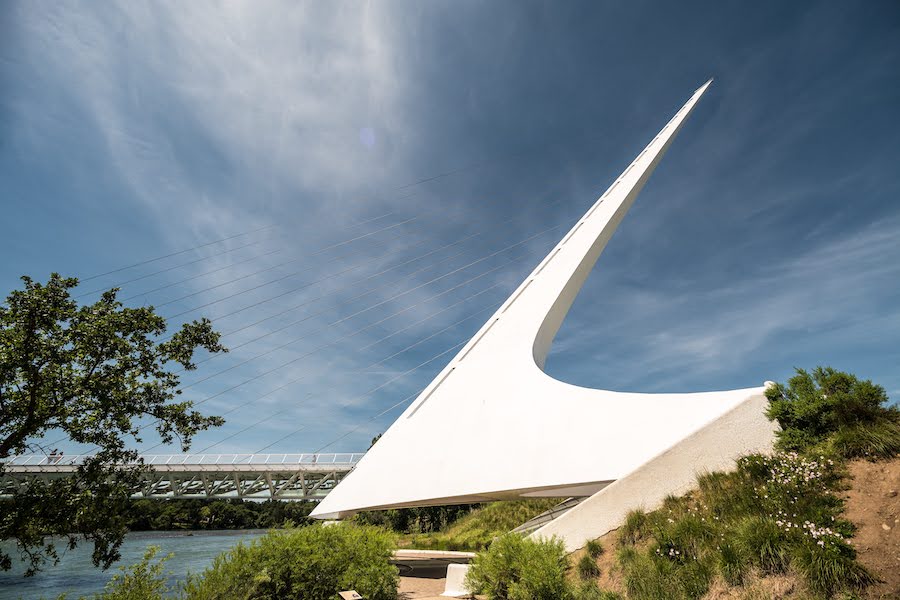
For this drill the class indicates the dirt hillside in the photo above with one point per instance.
(873, 503)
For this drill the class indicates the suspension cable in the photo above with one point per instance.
(323, 311)
(333, 342)
(351, 285)
(171, 254)
(454, 271)
(293, 274)
(205, 273)
(410, 347)
(201, 259)
(172, 268)
(358, 426)
(372, 390)
(329, 325)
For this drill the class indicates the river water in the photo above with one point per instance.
(76, 576)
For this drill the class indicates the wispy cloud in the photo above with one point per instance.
(766, 238)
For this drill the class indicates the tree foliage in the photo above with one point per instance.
(147, 514)
(92, 374)
(833, 411)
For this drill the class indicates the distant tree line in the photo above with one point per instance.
(425, 519)
(222, 513)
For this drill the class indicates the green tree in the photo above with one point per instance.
(90, 373)
(832, 411)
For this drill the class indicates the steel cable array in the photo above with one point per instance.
(340, 320)
(358, 312)
(333, 342)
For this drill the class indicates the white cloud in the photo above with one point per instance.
(275, 91)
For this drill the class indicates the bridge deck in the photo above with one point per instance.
(261, 476)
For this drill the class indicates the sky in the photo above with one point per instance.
(348, 189)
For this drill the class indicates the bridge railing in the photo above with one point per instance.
(42, 460)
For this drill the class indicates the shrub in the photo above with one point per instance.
(588, 590)
(732, 565)
(772, 514)
(878, 440)
(634, 527)
(312, 563)
(649, 577)
(587, 567)
(831, 570)
(145, 580)
(765, 544)
(594, 548)
(828, 408)
(517, 568)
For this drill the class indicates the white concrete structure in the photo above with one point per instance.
(492, 425)
(455, 585)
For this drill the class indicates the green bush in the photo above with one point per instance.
(634, 528)
(517, 568)
(765, 543)
(424, 519)
(312, 563)
(145, 580)
(732, 565)
(827, 572)
(648, 577)
(588, 590)
(594, 548)
(587, 568)
(831, 410)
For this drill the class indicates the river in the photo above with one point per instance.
(76, 576)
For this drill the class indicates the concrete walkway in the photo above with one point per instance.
(423, 573)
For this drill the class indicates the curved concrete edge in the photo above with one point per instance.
(455, 586)
(434, 554)
(715, 447)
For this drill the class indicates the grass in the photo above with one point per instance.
(587, 567)
(479, 528)
(771, 516)
(774, 516)
(774, 519)
(879, 440)
(588, 590)
(594, 548)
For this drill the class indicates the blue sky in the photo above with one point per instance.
(767, 238)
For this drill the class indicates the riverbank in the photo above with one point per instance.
(76, 576)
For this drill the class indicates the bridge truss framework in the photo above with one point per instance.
(247, 476)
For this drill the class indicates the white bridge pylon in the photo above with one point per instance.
(492, 425)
